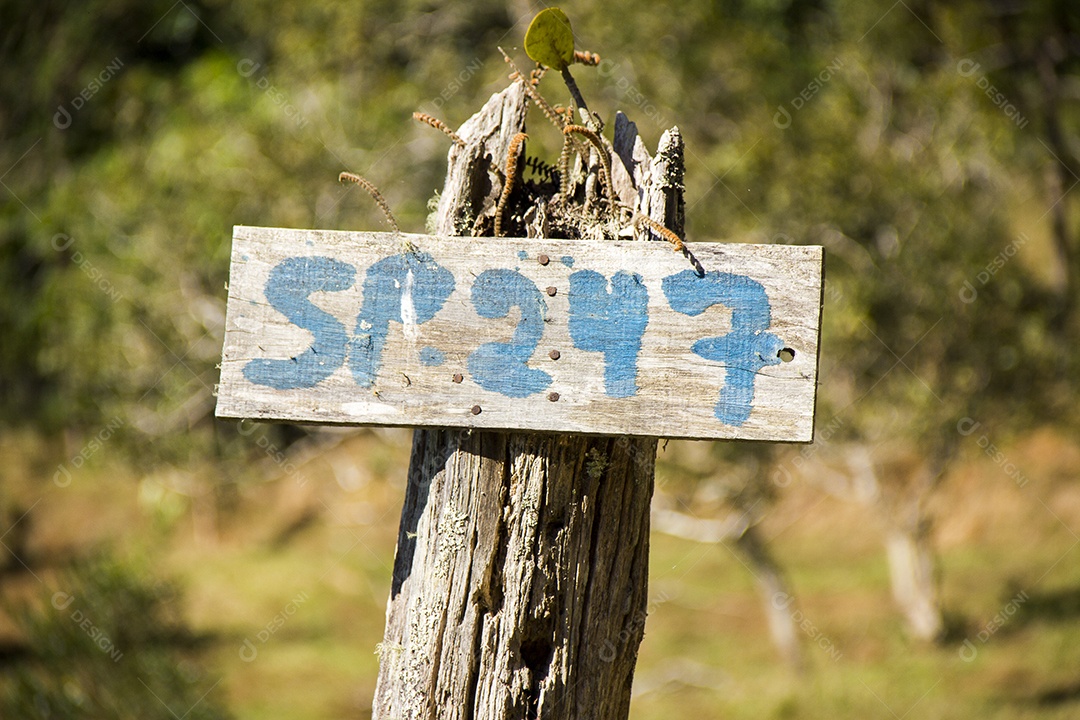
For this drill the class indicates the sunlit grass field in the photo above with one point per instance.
(285, 580)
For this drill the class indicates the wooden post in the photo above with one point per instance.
(520, 580)
(521, 575)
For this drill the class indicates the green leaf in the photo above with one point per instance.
(550, 40)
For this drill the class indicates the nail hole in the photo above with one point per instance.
(786, 355)
(475, 409)
(553, 397)
(554, 355)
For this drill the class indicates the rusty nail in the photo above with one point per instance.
(553, 397)
(543, 259)
(554, 354)
(552, 290)
(458, 377)
(475, 409)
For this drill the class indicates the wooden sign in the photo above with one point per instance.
(627, 338)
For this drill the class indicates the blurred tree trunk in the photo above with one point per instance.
(521, 574)
(775, 595)
(900, 495)
(1060, 176)
(739, 531)
(911, 570)
(1041, 61)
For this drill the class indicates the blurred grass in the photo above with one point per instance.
(706, 649)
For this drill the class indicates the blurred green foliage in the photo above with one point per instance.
(136, 134)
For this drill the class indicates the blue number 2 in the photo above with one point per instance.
(498, 366)
(743, 351)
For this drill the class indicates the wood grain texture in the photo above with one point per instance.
(677, 389)
(520, 584)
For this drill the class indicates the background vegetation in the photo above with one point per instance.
(933, 148)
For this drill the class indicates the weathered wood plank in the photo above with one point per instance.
(644, 345)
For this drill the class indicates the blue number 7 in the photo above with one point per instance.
(743, 351)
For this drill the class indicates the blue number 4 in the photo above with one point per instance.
(611, 322)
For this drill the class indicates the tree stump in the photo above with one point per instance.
(521, 571)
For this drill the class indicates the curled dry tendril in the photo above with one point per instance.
(511, 176)
(440, 126)
(601, 151)
(375, 195)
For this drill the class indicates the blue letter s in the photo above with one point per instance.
(287, 289)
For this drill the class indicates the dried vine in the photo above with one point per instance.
(577, 138)
(511, 178)
(438, 125)
(375, 195)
